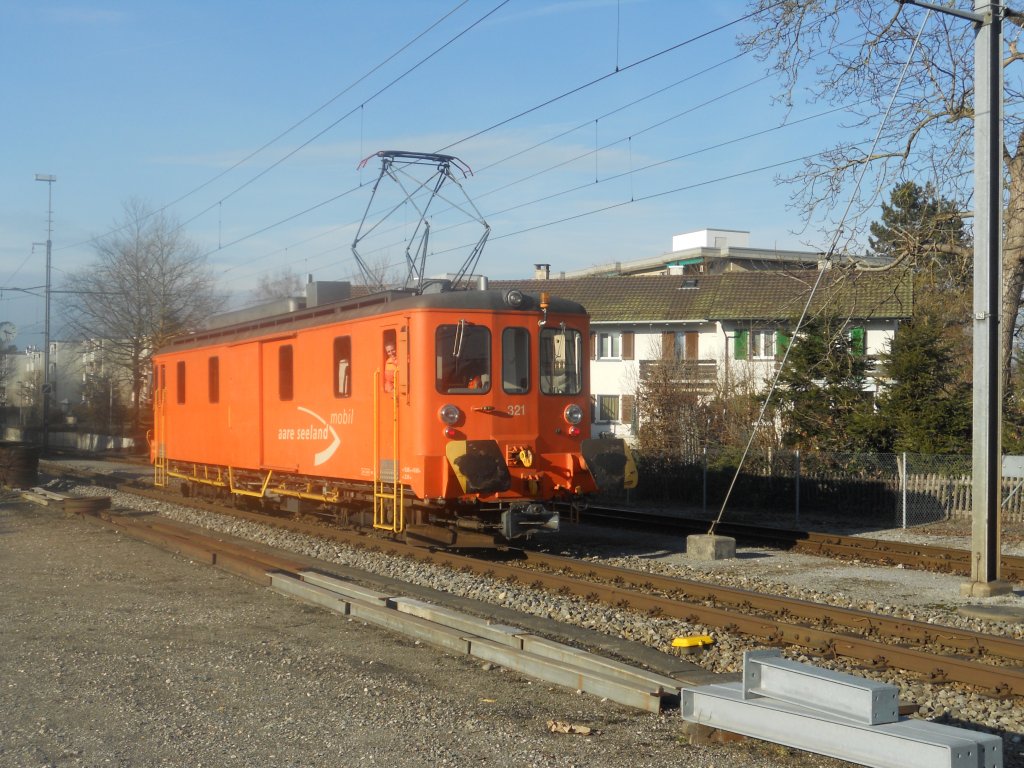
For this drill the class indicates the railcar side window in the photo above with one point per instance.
(515, 360)
(213, 376)
(180, 376)
(285, 376)
(462, 354)
(561, 361)
(342, 366)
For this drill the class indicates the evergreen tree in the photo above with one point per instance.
(919, 227)
(925, 407)
(821, 397)
(918, 224)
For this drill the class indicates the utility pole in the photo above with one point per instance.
(986, 448)
(47, 389)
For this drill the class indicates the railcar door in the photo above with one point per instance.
(282, 441)
(391, 388)
(242, 385)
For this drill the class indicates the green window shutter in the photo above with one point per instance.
(740, 345)
(782, 342)
(857, 346)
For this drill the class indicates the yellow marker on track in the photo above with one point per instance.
(693, 641)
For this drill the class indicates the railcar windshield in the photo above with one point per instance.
(462, 354)
(561, 361)
(515, 360)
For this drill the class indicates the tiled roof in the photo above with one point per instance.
(763, 295)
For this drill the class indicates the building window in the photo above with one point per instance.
(285, 379)
(606, 408)
(762, 345)
(608, 346)
(757, 344)
(685, 345)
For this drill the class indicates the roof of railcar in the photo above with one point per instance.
(368, 306)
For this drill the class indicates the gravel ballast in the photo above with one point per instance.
(927, 597)
(114, 653)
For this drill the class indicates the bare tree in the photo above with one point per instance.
(148, 283)
(378, 273)
(281, 284)
(681, 414)
(853, 52)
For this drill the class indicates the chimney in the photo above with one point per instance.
(541, 271)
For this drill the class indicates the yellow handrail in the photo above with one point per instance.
(159, 439)
(388, 506)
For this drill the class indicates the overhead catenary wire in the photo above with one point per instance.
(604, 115)
(613, 73)
(602, 209)
(283, 220)
(566, 94)
(266, 145)
(640, 132)
(624, 203)
(633, 171)
(344, 117)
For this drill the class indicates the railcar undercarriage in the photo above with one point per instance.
(461, 522)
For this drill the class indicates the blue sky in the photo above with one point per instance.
(158, 101)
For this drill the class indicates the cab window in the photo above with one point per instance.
(462, 359)
(515, 360)
(561, 361)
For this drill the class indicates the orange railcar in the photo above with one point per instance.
(475, 422)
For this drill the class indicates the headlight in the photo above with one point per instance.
(449, 414)
(514, 298)
(573, 414)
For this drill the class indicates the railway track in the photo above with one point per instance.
(912, 555)
(940, 654)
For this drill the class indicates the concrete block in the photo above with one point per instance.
(708, 546)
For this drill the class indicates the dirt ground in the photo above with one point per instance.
(114, 653)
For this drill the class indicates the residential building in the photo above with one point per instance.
(75, 367)
(722, 328)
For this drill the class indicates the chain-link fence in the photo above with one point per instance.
(848, 489)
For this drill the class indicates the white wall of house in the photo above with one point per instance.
(613, 380)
